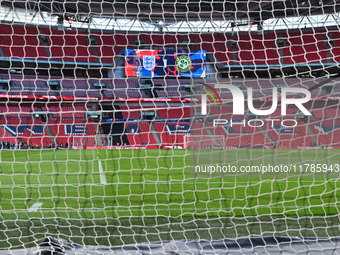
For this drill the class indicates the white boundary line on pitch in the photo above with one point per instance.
(35, 207)
(101, 173)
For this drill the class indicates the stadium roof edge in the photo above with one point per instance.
(257, 10)
(43, 19)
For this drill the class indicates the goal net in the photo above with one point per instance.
(169, 128)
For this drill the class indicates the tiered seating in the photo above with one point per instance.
(326, 125)
(18, 120)
(239, 135)
(199, 137)
(122, 88)
(174, 138)
(146, 134)
(304, 47)
(130, 112)
(296, 136)
(71, 87)
(216, 45)
(235, 133)
(335, 51)
(22, 42)
(109, 45)
(252, 48)
(77, 133)
(69, 45)
(67, 112)
(39, 139)
(7, 138)
(286, 136)
(132, 132)
(31, 132)
(327, 132)
(174, 113)
(142, 134)
(69, 121)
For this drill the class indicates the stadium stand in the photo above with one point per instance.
(100, 103)
(299, 47)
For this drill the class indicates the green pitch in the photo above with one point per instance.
(111, 196)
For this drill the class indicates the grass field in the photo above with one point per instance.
(118, 196)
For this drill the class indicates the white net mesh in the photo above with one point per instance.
(117, 131)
